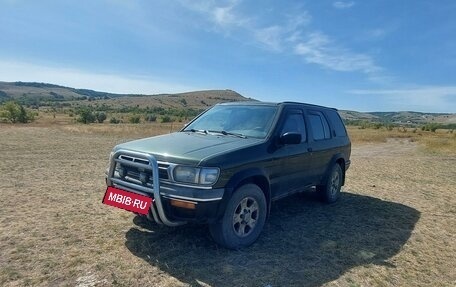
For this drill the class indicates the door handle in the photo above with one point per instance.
(309, 149)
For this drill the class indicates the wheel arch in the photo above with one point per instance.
(336, 159)
(254, 175)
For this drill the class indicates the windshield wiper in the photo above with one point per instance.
(225, 133)
(197, 131)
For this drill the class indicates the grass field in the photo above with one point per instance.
(395, 224)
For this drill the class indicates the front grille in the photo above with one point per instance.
(163, 170)
(134, 159)
(162, 167)
(137, 170)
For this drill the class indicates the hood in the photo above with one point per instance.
(187, 147)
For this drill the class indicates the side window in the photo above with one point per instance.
(319, 126)
(295, 123)
(337, 123)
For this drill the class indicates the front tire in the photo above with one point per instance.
(243, 220)
(330, 191)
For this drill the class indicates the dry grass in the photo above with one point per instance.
(126, 130)
(358, 135)
(440, 142)
(394, 226)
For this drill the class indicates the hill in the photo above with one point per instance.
(415, 117)
(194, 100)
(21, 90)
(402, 117)
(49, 95)
(43, 94)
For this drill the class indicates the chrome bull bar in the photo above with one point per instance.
(156, 207)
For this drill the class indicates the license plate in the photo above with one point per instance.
(127, 200)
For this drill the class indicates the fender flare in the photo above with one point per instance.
(337, 157)
(250, 175)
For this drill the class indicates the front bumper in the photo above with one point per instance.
(206, 201)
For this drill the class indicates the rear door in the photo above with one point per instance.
(320, 143)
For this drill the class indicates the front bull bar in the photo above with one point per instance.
(156, 207)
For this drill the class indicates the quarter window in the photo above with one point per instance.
(337, 123)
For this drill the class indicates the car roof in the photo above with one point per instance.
(259, 103)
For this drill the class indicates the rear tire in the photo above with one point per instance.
(330, 191)
(243, 220)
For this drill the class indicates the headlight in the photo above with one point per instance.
(186, 174)
(195, 175)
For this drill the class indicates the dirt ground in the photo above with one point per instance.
(395, 224)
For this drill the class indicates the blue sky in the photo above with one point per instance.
(359, 55)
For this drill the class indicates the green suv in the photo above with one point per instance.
(227, 166)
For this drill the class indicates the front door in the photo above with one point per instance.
(295, 159)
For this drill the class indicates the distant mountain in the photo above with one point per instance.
(415, 117)
(16, 90)
(404, 117)
(44, 94)
(39, 94)
(352, 115)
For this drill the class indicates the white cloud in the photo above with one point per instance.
(299, 20)
(317, 48)
(12, 71)
(423, 98)
(221, 14)
(276, 37)
(271, 37)
(343, 4)
(224, 16)
(289, 33)
(227, 18)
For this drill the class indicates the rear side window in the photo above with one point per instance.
(337, 123)
(319, 126)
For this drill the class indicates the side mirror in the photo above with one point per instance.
(290, 138)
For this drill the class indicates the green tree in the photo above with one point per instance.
(151, 118)
(22, 116)
(114, 121)
(135, 119)
(431, 127)
(101, 117)
(16, 113)
(10, 111)
(86, 116)
(166, 119)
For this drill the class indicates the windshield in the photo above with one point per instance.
(245, 121)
